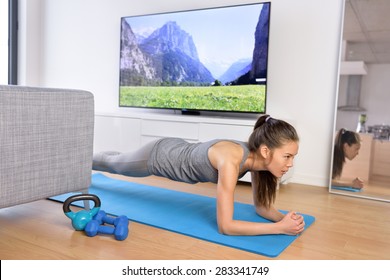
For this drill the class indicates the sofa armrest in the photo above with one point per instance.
(46, 142)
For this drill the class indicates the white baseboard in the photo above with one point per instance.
(306, 179)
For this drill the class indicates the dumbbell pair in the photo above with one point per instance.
(119, 226)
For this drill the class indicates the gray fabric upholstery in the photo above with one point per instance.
(46, 142)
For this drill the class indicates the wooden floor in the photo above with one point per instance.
(345, 228)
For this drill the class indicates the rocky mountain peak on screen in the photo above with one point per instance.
(169, 51)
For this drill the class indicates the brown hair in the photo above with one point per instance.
(274, 134)
(342, 137)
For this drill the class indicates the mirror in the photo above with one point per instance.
(363, 102)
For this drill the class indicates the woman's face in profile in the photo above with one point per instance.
(351, 151)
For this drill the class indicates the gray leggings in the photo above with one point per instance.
(133, 164)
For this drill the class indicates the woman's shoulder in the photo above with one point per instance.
(236, 144)
(230, 149)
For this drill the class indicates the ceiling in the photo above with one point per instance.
(367, 31)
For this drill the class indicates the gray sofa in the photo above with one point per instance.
(46, 142)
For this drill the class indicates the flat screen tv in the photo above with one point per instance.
(211, 59)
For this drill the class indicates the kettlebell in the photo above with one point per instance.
(81, 218)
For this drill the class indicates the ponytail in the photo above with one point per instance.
(342, 137)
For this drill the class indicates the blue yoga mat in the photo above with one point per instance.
(184, 213)
(349, 189)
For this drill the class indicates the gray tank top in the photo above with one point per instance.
(182, 161)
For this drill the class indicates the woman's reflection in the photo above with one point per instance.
(347, 146)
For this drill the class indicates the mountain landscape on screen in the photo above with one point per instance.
(169, 57)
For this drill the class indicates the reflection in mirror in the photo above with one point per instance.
(361, 160)
(347, 145)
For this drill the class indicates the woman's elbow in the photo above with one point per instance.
(224, 228)
(261, 210)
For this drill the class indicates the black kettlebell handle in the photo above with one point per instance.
(77, 197)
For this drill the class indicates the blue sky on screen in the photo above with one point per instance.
(222, 35)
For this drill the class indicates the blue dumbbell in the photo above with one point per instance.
(120, 229)
(103, 218)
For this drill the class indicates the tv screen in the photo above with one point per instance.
(199, 60)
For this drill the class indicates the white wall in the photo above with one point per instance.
(79, 48)
(29, 42)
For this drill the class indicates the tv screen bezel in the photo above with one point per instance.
(197, 111)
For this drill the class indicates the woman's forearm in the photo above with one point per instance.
(269, 213)
(238, 227)
(291, 224)
(340, 183)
